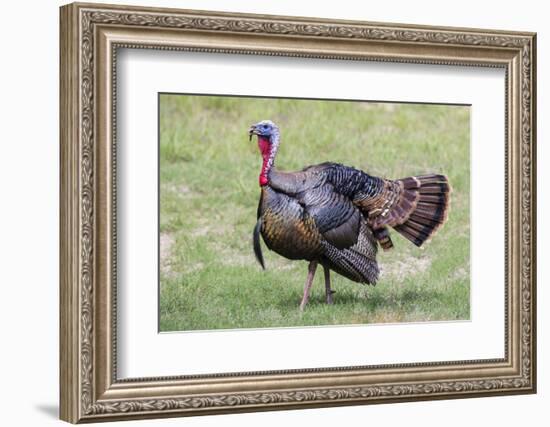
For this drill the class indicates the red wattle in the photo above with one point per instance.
(264, 145)
(265, 148)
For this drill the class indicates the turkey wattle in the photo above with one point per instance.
(336, 216)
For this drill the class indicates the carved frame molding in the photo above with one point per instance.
(90, 36)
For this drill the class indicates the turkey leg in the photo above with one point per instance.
(309, 281)
(328, 291)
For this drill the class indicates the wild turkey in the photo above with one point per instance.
(336, 216)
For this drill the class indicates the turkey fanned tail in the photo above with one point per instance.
(431, 209)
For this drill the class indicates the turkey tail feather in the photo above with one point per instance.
(383, 237)
(256, 243)
(431, 211)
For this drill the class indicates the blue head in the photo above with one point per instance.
(268, 143)
(265, 128)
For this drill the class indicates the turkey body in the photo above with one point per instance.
(286, 227)
(338, 215)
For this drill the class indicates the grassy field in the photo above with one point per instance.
(209, 169)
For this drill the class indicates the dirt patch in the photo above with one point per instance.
(166, 242)
(211, 224)
(384, 106)
(403, 269)
(209, 229)
(232, 256)
(183, 189)
(195, 267)
(236, 259)
(289, 266)
(460, 273)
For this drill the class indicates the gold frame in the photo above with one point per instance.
(90, 36)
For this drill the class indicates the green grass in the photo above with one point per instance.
(209, 194)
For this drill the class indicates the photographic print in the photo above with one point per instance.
(282, 212)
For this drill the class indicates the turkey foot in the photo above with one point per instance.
(309, 281)
(328, 291)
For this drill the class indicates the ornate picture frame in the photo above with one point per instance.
(90, 37)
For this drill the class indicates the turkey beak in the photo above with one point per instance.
(251, 132)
